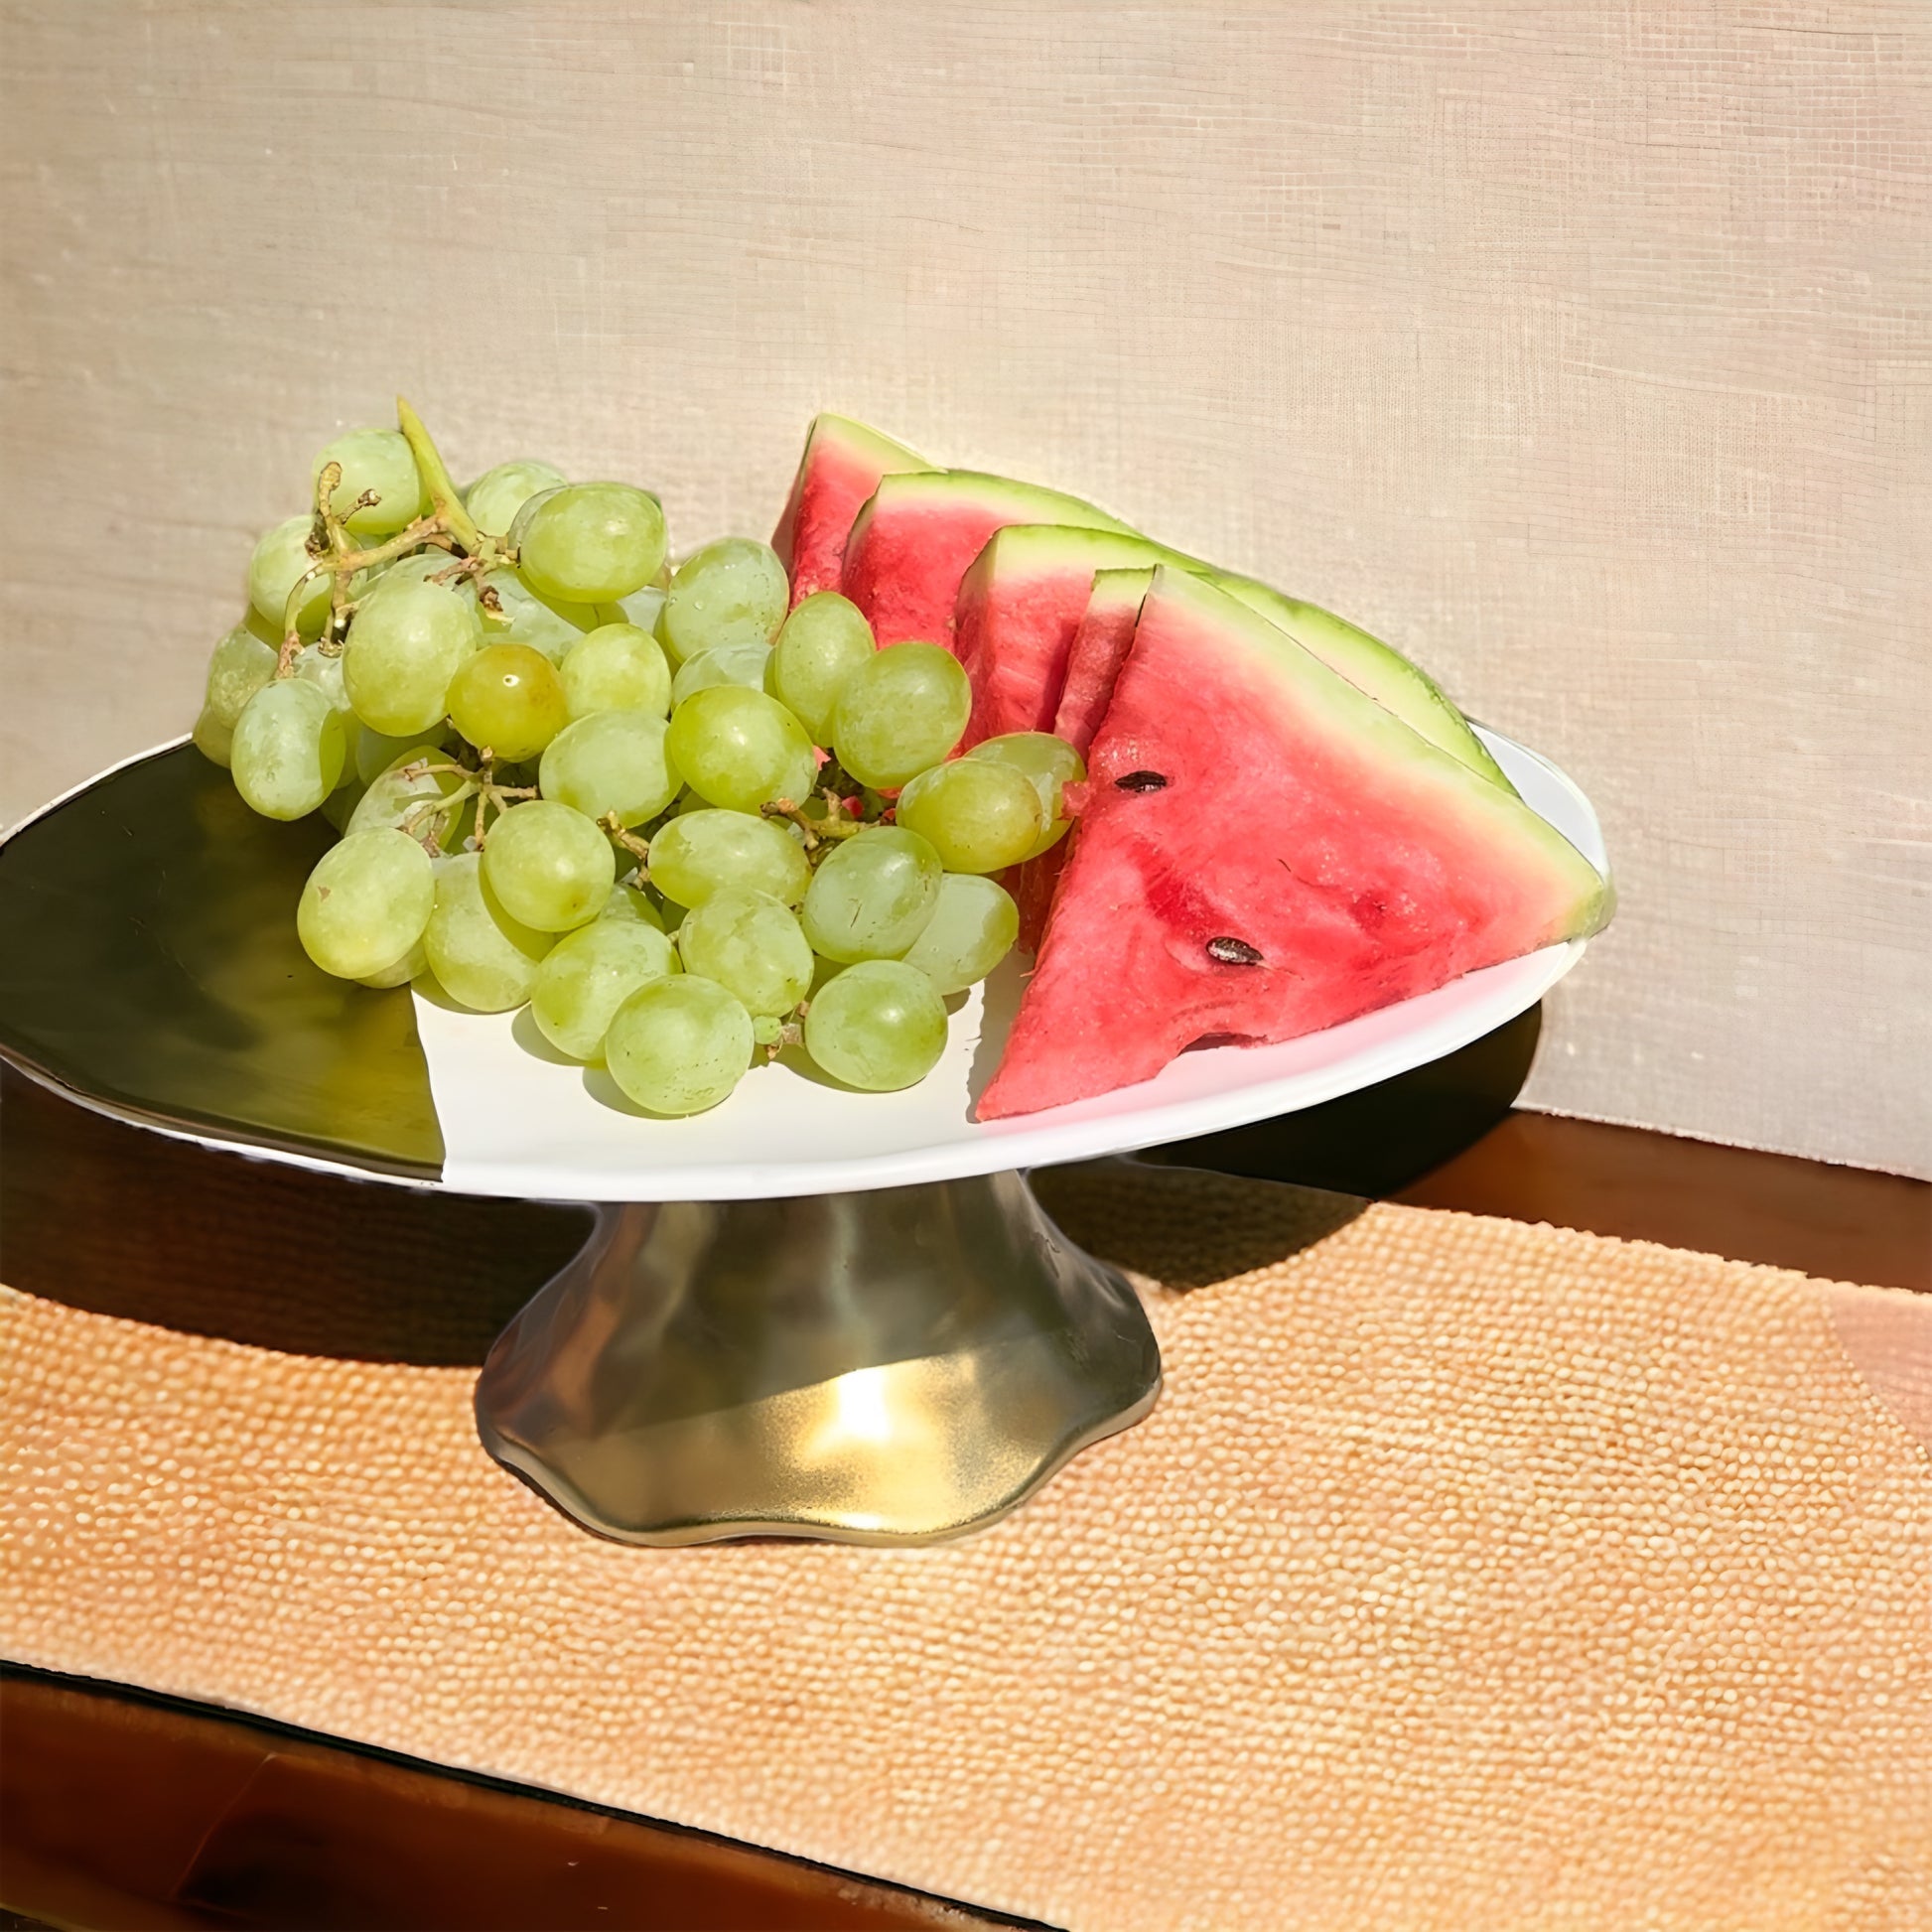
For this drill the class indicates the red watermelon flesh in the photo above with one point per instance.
(918, 535)
(1098, 650)
(1018, 610)
(1265, 851)
(841, 468)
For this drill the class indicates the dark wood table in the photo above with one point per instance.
(119, 1809)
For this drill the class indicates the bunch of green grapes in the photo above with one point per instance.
(688, 829)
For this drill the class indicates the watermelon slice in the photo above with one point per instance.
(1098, 650)
(1018, 610)
(919, 534)
(841, 468)
(1265, 851)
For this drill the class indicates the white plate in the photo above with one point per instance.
(521, 1121)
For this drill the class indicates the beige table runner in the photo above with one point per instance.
(1468, 1575)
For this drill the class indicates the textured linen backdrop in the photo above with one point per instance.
(1582, 351)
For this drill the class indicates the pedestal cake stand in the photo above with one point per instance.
(809, 1312)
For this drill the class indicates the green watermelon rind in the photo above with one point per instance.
(1309, 681)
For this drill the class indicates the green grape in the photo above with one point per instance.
(708, 851)
(628, 905)
(643, 607)
(412, 965)
(971, 930)
(1052, 764)
(976, 815)
(549, 866)
(879, 1026)
(507, 699)
(616, 667)
(398, 795)
(752, 945)
(289, 749)
(741, 750)
(513, 614)
(590, 542)
(722, 664)
(678, 1045)
(732, 592)
(406, 641)
(589, 973)
(495, 498)
(212, 739)
(899, 711)
(611, 761)
(241, 665)
(323, 669)
(281, 557)
(375, 751)
(481, 956)
(872, 894)
(366, 903)
(823, 641)
(377, 461)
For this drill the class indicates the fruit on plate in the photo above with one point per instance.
(918, 536)
(705, 816)
(841, 468)
(1265, 851)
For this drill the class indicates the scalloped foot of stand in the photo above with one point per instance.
(886, 1367)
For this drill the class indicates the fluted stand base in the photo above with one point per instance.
(887, 1367)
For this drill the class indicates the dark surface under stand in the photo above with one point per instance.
(118, 1809)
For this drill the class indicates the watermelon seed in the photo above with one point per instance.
(1141, 782)
(1233, 952)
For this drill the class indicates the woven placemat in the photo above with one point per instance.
(1467, 1573)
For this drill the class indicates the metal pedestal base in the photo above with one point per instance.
(886, 1367)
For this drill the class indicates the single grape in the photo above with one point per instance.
(406, 641)
(898, 711)
(549, 866)
(481, 956)
(281, 557)
(239, 666)
(366, 903)
(971, 930)
(411, 965)
(879, 1026)
(508, 699)
(871, 894)
(212, 739)
(616, 667)
(678, 1045)
(587, 974)
(823, 641)
(323, 669)
(513, 614)
(722, 664)
(978, 816)
(732, 592)
(374, 752)
(1052, 764)
(589, 542)
(628, 905)
(706, 851)
(643, 607)
(611, 761)
(399, 794)
(741, 750)
(752, 945)
(495, 498)
(377, 461)
(289, 749)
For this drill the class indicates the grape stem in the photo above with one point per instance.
(445, 502)
(835, 825)
(482, 782)
(639, 849)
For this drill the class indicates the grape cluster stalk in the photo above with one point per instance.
(690, 826)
